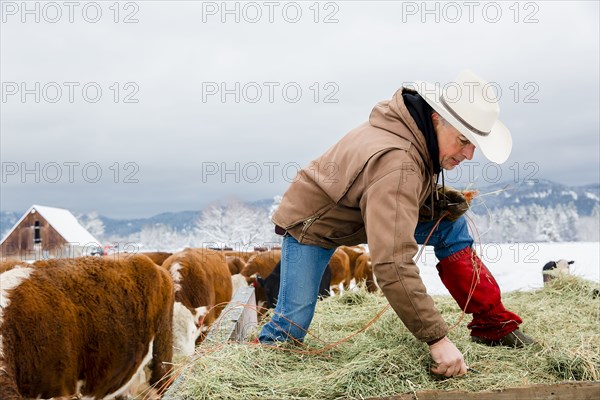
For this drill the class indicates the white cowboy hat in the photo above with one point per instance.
(468, 106)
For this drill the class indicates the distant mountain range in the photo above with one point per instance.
(544, 193)
(182, 221)
(541, 192)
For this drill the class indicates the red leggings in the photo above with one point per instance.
(462, 273)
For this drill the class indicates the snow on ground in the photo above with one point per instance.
(518, 266)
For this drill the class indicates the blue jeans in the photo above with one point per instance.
(302, 267)
(447, 239)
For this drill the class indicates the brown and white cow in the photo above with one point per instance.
(202, 284)
(360, 266)
(340, 270)
(10, 264)
(363, 272)
(244, 255)
(353, 253)
(85, 326)
(158, 257)
(236, 264)
(262, 263)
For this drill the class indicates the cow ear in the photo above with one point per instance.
(549, 265)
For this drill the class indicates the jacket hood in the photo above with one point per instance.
(393, 116)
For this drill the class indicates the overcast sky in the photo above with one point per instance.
(153, 106)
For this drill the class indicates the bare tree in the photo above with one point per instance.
(232, 224)
(92, 222)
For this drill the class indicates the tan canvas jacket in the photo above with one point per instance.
(368, 188)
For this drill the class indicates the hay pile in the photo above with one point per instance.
(386, 359)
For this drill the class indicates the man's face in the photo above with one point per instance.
(454, 147)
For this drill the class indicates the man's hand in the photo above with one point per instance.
(453, 201)
(448, 200)
(448, 359)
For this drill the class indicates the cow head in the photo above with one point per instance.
(187, 327)
(554, 268)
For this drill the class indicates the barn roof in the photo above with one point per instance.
(63, 222)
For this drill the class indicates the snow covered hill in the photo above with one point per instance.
(542, 193)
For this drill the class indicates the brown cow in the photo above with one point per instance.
(202, 282)
(84, 327)
(363, 272)
(360, 266)
(10, 264)
(158, 257)
(235, 264)
(243, 255)
(262, 263)
(340, 270)
(353, 253)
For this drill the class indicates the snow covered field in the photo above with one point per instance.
(518, 266)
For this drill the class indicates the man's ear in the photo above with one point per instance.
(435, 117)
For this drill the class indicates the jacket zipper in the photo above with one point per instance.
(307, 225)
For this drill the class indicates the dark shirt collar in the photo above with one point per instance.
(420, 111)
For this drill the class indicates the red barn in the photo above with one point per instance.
(47, 232)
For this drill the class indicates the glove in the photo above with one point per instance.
(447, 200)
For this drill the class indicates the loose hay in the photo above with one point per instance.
(385, 359)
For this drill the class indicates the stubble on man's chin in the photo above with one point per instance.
(448, 166)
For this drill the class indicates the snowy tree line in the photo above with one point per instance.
(535, 223)
(237, 225)
(231, 224)
(242, 227)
